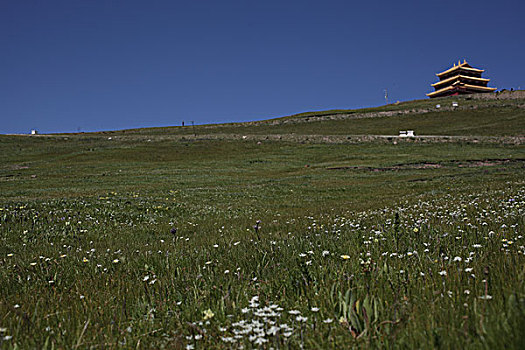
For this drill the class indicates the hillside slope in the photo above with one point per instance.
(472, 117)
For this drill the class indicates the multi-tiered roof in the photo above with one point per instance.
(460, 79)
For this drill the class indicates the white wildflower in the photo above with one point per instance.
(301, 319)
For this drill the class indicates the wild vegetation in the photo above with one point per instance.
(138, 240)
(471, 117)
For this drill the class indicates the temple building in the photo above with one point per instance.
(460, 79)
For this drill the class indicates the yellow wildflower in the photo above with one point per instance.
(208, 314)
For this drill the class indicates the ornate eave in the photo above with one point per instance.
(460, 77)
(461, 66)
(460, 87)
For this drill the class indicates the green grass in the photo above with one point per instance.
(471, 118)
(483, 122)
(369, 245)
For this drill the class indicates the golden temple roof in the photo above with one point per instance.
(460, 65)
(459, 76)
(458, 84)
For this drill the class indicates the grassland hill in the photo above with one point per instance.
(321, 230)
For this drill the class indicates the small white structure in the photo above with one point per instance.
(455, 104)
(34, 132)
(406, 133)
(438, 106)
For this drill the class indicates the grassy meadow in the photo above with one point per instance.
(136, 239)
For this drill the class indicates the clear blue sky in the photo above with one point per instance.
(108, 64)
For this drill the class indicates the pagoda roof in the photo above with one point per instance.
(464, 66)
(458, 86)
(459, 76)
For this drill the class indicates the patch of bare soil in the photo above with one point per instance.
(18, 167)
(487, 162)
(429, 165)
(391, 168)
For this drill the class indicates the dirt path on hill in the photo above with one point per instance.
(341, 139)
(474, 163)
